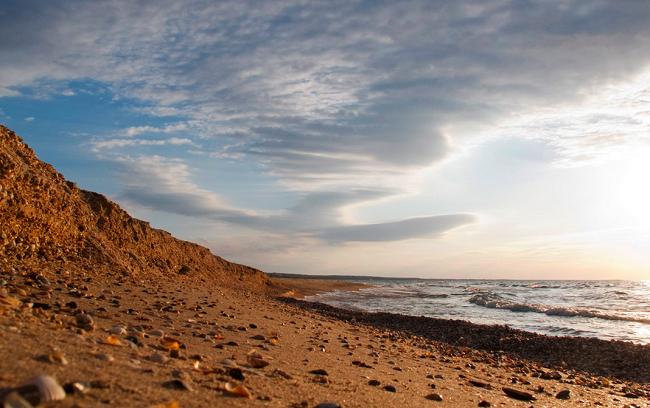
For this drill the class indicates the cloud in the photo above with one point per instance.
(165, 185)
(29, 119)
(398, 84)
(169, 128)
(342, 102)
(397, 230)
(99, 145)
(8, 92)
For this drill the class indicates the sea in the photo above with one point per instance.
(609, 310)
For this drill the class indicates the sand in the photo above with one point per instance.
(216, 330)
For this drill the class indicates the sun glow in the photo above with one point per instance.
(634, 194)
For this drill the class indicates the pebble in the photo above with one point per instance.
(434, 397)
(516, 394)
(564, 394)
(118, 331)
(237, 374)
(177, 385)
(484, 404)
(319, 371)
(374, 383)
(328, 405)
(158, 358)
(105, 357)
(157, 333)
(390, 388)
(83, 320)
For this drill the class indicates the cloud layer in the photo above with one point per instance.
(341, 101)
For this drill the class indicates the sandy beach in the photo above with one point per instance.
(170, 342)
(98, 309)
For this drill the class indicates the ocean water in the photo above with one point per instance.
(610, 310)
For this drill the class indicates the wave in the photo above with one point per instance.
(489, 301)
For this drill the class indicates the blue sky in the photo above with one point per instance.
(452, 139)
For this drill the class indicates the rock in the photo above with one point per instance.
(390, 388)
(83, 320)
(158, 358)
(157, 333)
(516, 394)
(328, 405)
(484, 404)
(374, 383)
(434, 397)
(237, 374)
(320, 371)
(177, 385)
(564, 394)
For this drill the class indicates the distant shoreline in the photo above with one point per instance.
(298, 287)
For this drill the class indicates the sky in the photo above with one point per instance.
(436, 139)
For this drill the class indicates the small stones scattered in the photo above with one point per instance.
(564, 394)
(434, 397)
(390, 388)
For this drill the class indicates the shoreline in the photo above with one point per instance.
(309, 353)
(300, 287)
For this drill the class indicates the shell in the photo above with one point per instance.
(14, 400)
(236, 389)
(40, 389)
(170, 343)
(256, 359)
(57, 357)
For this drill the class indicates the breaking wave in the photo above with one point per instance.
(494, 301)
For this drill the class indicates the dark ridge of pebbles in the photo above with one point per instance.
(623, 360)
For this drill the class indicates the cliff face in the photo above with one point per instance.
(45, 218)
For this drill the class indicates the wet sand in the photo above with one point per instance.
(316, 355)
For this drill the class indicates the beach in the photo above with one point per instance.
(284, 352)
(99, 309)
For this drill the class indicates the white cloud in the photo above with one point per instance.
(98, 144)
(8, 92)
(29, 119)
(170, 128)
(395, 83)
(165, 185)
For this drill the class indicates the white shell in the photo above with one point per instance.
(49, 389)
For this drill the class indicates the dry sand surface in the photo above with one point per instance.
(283, 353)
